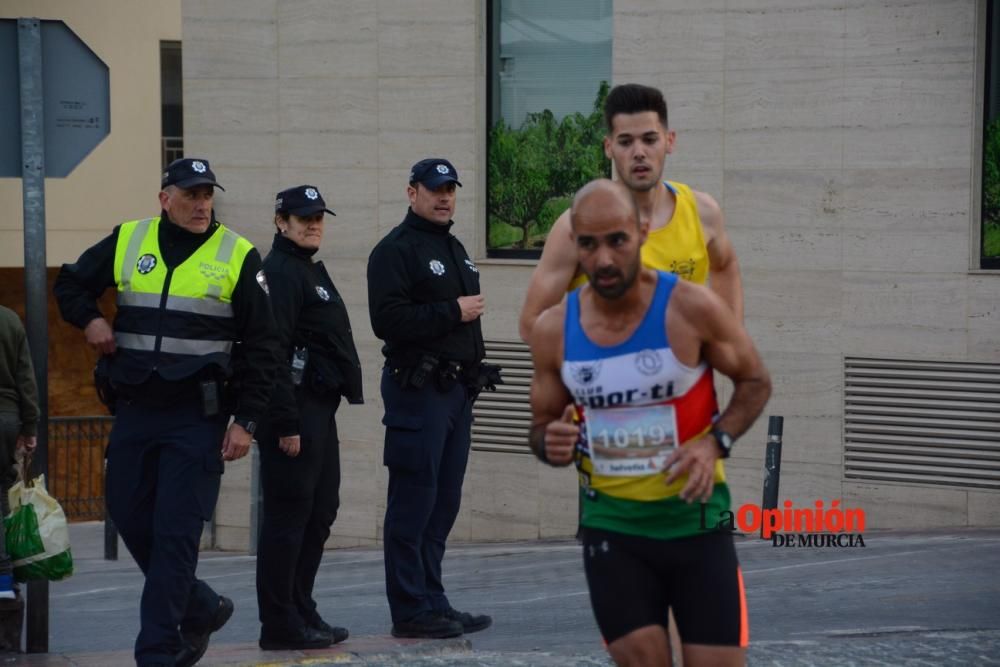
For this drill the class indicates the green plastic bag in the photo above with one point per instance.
(37, 535)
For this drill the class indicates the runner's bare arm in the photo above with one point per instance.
(552, 275)
(553, 433)
(723, 267)
(727, 347)
(700, 319)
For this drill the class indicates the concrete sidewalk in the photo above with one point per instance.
(926, 598)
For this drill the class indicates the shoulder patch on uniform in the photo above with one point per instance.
(472, 266)
(323, 294)
(262, 281)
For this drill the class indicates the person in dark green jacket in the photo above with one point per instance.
(18, 418)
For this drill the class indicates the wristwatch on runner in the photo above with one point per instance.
(725, 442)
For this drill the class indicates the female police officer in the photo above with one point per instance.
(299, 449)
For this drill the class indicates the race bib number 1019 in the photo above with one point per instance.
(631, 441)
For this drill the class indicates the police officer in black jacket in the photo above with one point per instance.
(425, 304)
(299, 449)
(189, 290)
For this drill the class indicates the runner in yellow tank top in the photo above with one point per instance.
(687, 229)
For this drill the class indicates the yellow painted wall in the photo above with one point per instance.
(119, 180)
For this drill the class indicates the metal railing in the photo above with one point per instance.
(76, 464)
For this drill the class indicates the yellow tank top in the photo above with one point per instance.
(678, 246)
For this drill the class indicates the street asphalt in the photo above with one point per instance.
(905, 598)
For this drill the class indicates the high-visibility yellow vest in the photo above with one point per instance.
(174, 321)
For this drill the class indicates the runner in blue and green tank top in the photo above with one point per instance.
(623, 388)
(635, 402)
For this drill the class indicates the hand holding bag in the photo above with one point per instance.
(36, 531)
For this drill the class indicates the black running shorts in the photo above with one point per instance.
(634, 580)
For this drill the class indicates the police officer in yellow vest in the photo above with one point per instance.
(189, 290)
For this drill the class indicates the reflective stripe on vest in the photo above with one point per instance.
(127, 266)
(146, 343)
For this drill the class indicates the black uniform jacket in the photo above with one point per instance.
(78, 287)
(415, 276)
(309, 313)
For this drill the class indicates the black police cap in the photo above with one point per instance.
(433, 172)
(302, 200)
(187, 172)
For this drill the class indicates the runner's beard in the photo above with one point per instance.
(615, 291)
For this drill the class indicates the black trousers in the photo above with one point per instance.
(427, 438)
(301, 499)
(162, 481)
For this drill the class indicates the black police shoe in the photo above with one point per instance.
(196, 643)
(333, 632)
(470, 622)
(428, 625)
(305, 638)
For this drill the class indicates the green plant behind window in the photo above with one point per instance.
(991, 189)
(537, 167)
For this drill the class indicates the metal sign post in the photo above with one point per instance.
(29, 47)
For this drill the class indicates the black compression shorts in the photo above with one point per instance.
(634, 580)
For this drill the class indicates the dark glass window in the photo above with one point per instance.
(990, 248)
(549, 68)
(171, 107)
